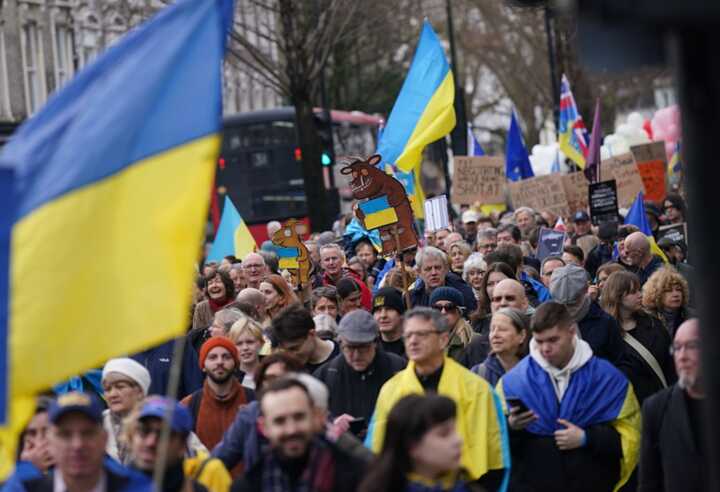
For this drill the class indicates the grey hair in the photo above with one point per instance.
(474, 262)
(525, 210)
(228, 317)
(431, 315)
(488, 233)
(518, 318)
(334, 246)
(431, 252)
(317, 390)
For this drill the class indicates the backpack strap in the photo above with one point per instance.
(648, 357)
(194, 406)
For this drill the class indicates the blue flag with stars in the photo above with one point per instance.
(517, 162)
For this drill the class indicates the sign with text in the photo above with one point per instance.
(603, 202)
(436, 214)
(576, 191)
(478, 179)
(550, 242)
(541, 193)
(624, 171)
(652, 165)
(676, 232)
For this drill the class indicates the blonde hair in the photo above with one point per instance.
(661, 281)
(245, 324)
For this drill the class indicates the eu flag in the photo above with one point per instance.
(517, 161)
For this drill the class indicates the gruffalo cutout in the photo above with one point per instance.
(383, 204)
(293, 254)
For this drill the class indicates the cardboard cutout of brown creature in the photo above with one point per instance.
(383, 204)
(292, 253)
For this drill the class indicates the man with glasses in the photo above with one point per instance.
(672, 453)
(486, 240)
(354, 377)
(255, 269)
(480, 421)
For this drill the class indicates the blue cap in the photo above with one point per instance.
(75, 401)
(157, 406)
(450, 294)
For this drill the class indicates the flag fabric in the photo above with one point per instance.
(410, 181)
(555, 168)
(474, 147)
(378, 213)
(423, 111)
(592, 165)
(288, 258)
(572, 131)
(517, 162)
(675, 164)
(110, 186)
(636, 216)
(233, 236)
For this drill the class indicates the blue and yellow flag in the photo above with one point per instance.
(288, 258)
(636, 216)
(110, 187)
(572, 134)
(233, 236)
(423, 111)
(378, 213)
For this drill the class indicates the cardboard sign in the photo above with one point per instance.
(550, 242)
(576, 191)
(478, 179)
(541, 193)
(624, 171)
(676, 232)
(652, 165)
(436, 214)
(603, 202)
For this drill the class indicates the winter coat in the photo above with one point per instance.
(157, 361)
(603, 333)
(491, 370)
(420, 297)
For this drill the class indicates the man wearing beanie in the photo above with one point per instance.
(450, 302)
(569, 286)
(213, 407)
(354, 377)
(125, 383)
(388, 308)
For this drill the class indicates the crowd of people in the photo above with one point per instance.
(470, 365)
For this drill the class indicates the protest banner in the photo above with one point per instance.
(603, 202)
(624, 171)
(478, 179)
(576, 191)
(436, 214)
(652, 164)
(676, 232)
(550, 242)
(541, 193)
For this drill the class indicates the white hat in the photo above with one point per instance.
(470, 216)
(130, 368)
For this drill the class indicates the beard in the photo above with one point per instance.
(221, 379)
(688, 382)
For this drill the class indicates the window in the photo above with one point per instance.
(63, 54)
(33, 66)
(89, 39)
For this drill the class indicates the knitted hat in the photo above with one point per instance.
(388, 297)
(213, 342)
(450, 294)
(130, 368)
(567, 283)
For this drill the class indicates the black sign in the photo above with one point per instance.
(603, 202)
(550, 242)
(676, 232)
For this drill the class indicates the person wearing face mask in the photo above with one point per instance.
(647, 362)
(422, 449)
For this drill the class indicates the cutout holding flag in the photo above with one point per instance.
(233, 236)
(378, 213)
(572, 131)
(517, 161)
(111, 187)
(423, 111)
(636, 216)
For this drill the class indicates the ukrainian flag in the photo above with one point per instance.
(636, 216)
(233, 236)
(288, 258)
(110, 192)
(423, 111)
(378, 213)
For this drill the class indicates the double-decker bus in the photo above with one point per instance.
(260, 164)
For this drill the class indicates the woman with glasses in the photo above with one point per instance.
(473, 272)
(674, 208)
(647, 364)
(508, 344)
(665, 296)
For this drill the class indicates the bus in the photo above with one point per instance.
(260, 167)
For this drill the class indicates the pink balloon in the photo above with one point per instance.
(669, 149)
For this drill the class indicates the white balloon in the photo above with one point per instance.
(636, 120)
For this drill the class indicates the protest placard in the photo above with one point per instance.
(478, 179)
(550, 242)
(652, 163)
(676, 232)
(603, 202)
(436, 214)
(624, 171)
(576, 191)
(541, 193)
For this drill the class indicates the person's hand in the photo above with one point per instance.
(593, 292)
(572, 437)
(339, 426)
(518, 420)
(39, 455)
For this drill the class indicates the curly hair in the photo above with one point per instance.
(661, 281)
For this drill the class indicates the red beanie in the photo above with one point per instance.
(213, 342)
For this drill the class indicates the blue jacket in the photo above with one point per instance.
(419, 297)
(491, 370)
(542, 292)
(157, 361)
(242, 441)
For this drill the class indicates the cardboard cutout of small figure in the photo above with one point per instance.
(292, 253)
(384, 205)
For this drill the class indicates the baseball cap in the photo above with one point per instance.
(470, 216)
(388, 297)
(581, 216)
(358, 326)
(76, 401)
(157, 406)
(567, 283)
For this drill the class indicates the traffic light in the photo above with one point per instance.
(324, 129)
(326, 159)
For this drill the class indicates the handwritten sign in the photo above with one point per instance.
(436, 214)
(541, 193)
(478, 179)
(652, 164)
(624, 171)
(576, 191)
(603, 202)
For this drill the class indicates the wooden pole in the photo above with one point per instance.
(399, 257)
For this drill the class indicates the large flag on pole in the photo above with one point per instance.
(110, 185)
(517, 161)
(233, 236)
(592, 168)
(636, 216)
(423, 111)
(572, 131)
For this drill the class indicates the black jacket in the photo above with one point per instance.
(539, 466)
(355, 393)
(419, 297)
(598, 256)
(671, 456)
(603, 333)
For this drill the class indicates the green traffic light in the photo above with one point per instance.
(325, 159)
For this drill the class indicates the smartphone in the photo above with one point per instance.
(517, 403)
(357, 426)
